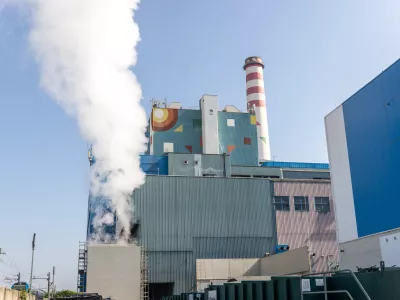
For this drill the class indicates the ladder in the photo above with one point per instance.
(144, 275)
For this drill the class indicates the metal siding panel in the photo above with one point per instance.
(178, 267)
(313, 229)
(190, 216)
(255, 171)
(209, 164)
(177, 167)
(305, 174)
(232, 247)
(372, 122)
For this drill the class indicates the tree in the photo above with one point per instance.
(62, 294)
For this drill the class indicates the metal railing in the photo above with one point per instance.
(326, 292)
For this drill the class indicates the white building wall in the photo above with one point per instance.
(369, 251)
(342, 189)
(390, 249)
(209, 115)
(362, 253)
(114, 271)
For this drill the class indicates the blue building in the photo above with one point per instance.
(363, 136)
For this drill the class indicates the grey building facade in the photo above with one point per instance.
(185, 218)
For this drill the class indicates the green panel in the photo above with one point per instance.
(231, 291)
(248, 290)
(197, 123)
(239, 292)
(379, 285)
(268, 290)
(221, 292)
(258, 290)
(280, 289)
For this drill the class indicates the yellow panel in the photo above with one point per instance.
(253, 120)
(179, 129)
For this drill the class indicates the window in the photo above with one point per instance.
(322, 204)
(301, 203)
(282, 203)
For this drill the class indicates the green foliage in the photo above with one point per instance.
(22, 295)
(61, 294)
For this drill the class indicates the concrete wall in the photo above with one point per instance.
(371, 250)
(287, 263)
(220, 269)
(114, 271)
(209, 115)
(291, 262)
(342, 188)
(9, 294)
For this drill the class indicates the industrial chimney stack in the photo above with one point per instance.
(256, 102)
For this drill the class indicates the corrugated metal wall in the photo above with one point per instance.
(315, 229)
(184, 218)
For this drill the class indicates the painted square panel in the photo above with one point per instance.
(230, 122)
(168, 147)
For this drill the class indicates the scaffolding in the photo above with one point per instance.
(144, 275)
(82, 268)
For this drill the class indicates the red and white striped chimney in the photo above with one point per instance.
(254, 68)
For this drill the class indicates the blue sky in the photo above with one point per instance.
(316, 53)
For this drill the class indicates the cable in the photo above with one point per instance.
(13, 260)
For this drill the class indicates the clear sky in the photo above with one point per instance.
(317, 53)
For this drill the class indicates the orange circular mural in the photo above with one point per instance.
(164, 119)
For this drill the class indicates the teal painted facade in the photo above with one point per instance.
(189, 121)
(182, 130)
(243, 136)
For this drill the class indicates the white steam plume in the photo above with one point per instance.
(84, 49)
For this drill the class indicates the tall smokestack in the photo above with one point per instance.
(254, 68)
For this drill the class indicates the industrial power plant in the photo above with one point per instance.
(216, 210)
(185, 198)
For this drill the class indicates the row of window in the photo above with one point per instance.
(301, 203)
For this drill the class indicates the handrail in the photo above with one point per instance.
(331, 292)
(325, 292)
